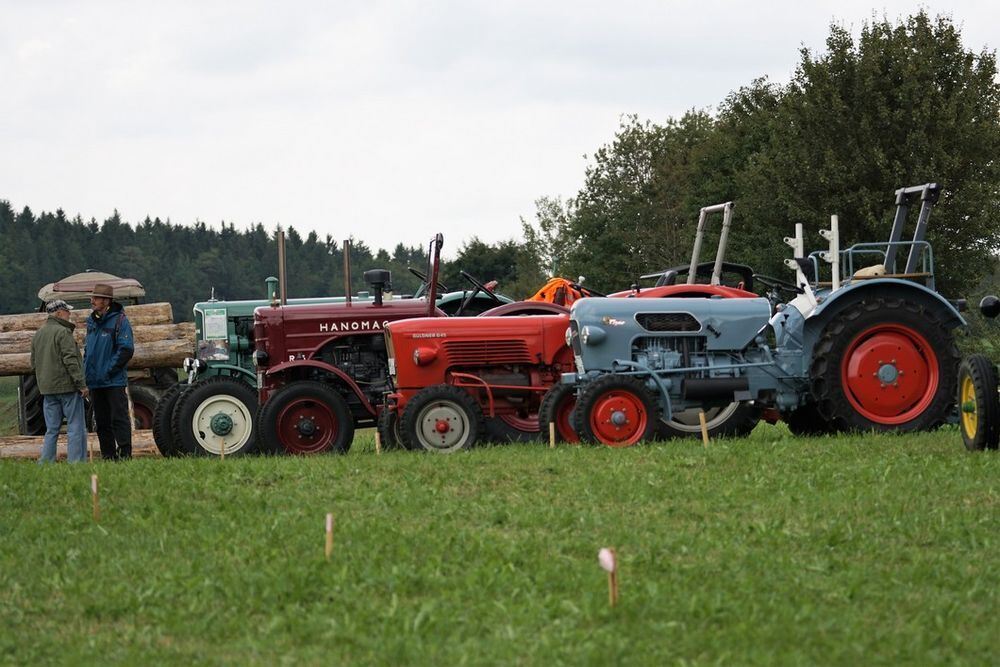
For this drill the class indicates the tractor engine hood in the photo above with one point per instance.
(614, 324)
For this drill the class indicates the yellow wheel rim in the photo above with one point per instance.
(970, 418)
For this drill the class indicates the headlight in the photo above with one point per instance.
(591, 335)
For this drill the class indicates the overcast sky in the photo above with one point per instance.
(387, 121)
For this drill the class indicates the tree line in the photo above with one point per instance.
(903, 103)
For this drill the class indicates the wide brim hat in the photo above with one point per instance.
(103, 291)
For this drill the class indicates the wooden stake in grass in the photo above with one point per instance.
(609, 563)
(552, 435)
(378, 443)
(329, 535)
(93, 494)
(704, 427)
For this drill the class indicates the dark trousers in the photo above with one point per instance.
(111, 417)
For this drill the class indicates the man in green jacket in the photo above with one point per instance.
(58, 368)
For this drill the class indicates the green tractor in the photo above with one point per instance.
(214, 410)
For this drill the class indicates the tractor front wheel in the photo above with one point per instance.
(884, 364)
(442, 418)
(216, 415)
(734, 420)
(557, 408)
(617, 411)
(163, 417)
(978, 403)
(504, 429)
(307, 418)
(388, 429)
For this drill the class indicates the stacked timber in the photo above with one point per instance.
(159, 343)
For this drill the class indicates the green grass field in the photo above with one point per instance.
(767, 550)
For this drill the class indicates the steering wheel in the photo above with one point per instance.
(586, 291)
(423, 283)
(479, 287)
(779, 285)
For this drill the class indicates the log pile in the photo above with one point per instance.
(30, 447)
(158, 342)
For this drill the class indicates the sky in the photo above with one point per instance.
(383, 121)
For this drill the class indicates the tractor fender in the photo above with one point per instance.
(332, 370)
(870, 289)
(233, 370)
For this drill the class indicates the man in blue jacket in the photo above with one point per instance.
(108, 348)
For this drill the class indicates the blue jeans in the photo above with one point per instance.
(70, 406)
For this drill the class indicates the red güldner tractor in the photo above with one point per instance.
(455, 381)
(322, 368)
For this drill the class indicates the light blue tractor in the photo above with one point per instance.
(871, 348)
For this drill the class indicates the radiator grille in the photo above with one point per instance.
(668, 322)
(482, 352)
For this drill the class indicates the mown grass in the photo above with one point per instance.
(854, 550)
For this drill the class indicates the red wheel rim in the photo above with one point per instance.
(525, 424)
(306, 426)
(618, 418)
(889, 374)
(143, 417)
(563, 411)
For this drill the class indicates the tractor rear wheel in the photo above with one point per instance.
(504, 429)
(735, 420)
(213, 415)
(887, 365)
(30, 418)
(616, 410)
(442, 418)
(163, 434)
(307, 417)
(978, 403)
(806, 420)
(144, 401)
(557, 407)
(388, 429)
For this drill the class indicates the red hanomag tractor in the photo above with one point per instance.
(496, 378)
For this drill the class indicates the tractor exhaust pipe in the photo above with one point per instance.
(282, 275)
(705, 389)
(347, 271)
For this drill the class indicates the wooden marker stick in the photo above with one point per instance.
(93, 494)
(329, 535)
(378, 443)
(609, 563)
(552, 435)
(704, 427)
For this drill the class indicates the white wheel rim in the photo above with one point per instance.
(429, 422)
(687, 420)
(236, 410)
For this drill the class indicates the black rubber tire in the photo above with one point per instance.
(592, 394)
(806, 421)
(735, 420)
(388, 429)
(840, 333)
(443, 397)
(500, 431)
(144, 401)
(163, 434)
(313, 396)
(242, 401)
(30, 417)
(985, 432)
(557, 400)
